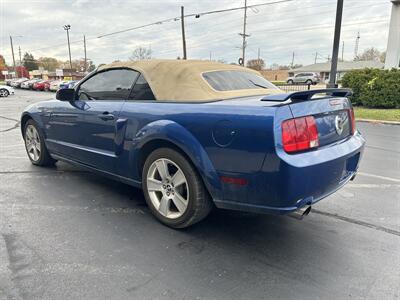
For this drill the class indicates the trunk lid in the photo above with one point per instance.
(330, 108)
(332, 117)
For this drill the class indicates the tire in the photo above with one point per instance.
(175, 205)
(308, 81)
(4, 93)
(290, 81)
(35, 146)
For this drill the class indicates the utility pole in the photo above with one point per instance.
(244, 35)
(84, 48)
(67, 28)
(343, 51)
(356, 46)
(258, 54)
(210, 55)
(183, 32)
(20, 60)
(336, 41)
(12, 51)
(292, 64)
(316, 56)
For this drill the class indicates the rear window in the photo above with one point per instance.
(236, 80)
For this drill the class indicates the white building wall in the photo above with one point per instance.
(393, 47)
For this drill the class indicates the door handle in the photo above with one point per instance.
(106, 116)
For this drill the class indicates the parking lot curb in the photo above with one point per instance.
(378, 121)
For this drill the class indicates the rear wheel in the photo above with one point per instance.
(308, 81)
(4, 93)
(173, 190)
(35, 146)
(290, 81)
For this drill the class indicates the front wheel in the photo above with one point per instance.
(35, 146)
(174, 191)
(4, 93)
(290, 81)
(309, 81)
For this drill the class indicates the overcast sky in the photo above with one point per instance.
(302, 26)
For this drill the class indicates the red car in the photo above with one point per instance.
(43, 85)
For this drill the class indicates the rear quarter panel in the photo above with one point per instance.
(235, 138)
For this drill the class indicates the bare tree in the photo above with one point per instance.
(371, 54)
(141, 53)
(256, 64)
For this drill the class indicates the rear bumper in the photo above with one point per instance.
(255, 208)
(289, 182)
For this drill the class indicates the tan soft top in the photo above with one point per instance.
(182, 80)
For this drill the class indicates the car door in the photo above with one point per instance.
(134, 115)
(85, 129)
(299, 78)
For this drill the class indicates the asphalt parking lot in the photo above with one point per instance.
(69, 234)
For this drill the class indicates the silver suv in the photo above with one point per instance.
(307, 78)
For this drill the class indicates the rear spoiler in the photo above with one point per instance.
(306, 95)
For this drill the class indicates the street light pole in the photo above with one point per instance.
(20, 59)
(67, 28)
(244, 35)
(84, 47)
(12, 51)
(336, 41)
(183, 32)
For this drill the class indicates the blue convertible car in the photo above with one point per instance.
(196, 134)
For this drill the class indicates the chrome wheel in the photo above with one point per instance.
(32, 143)
(4, 93)
(168, 188)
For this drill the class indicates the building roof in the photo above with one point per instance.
(182, 80)
(343, 66)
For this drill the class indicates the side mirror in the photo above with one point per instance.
(65, 95)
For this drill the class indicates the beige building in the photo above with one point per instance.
(343, 66)
(275, 75)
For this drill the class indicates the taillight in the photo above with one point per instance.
(353, 121)
(299, 134)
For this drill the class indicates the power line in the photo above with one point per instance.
(160, 22)
(197, 15)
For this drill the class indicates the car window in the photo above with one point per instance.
(236, 80)
(108, 85)
(299, 75)
(141, 90)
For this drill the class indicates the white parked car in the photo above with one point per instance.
(55, 85)
(305, 78)
(5, 91)
(17, 82)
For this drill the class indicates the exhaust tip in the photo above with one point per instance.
(300, 213)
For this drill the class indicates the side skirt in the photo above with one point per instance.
(129, 181)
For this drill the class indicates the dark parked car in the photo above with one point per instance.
(68, 84)
(195, 134)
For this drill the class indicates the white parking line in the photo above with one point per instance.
(367, 185)
(379, 177)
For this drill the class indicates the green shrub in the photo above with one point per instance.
(356, 80)
(382, 91)
(374, 88)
